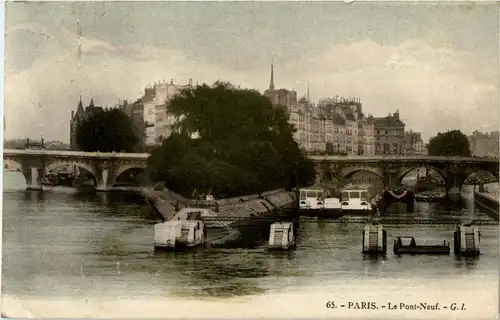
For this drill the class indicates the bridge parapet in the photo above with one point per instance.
(64, 153)
(403, 158)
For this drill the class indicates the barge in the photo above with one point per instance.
(401, 246)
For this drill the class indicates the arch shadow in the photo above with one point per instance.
(134, 172)
(87, 170)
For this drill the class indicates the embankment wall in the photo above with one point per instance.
(244, 206)
(488, 203)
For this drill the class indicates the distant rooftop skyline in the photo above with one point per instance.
(436, 63)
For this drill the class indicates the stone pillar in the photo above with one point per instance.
(34, 179)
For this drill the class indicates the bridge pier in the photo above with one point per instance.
(454, 183)
(34, 178)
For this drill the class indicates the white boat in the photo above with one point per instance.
(311, 199)
(316, 199)
(179, 234)
(355, 199)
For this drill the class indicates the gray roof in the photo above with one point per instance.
(337, 119)
(388, 121)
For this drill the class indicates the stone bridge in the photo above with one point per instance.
(392, 169)
(104, 167)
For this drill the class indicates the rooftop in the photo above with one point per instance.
(389, 121)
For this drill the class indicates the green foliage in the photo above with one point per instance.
(107, 131)
(450, 143)
(245, 145)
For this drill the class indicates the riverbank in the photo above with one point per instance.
(488, 202)
(246, 206)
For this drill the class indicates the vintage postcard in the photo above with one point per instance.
(251, 160)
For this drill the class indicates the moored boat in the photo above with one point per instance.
(179, 234)
(352, 201)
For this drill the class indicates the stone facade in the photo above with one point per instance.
(389, 135)
(484, 144)
(283, 97)
(414, 144)
(154, 107)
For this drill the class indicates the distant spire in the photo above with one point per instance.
(308, 97)
(91, 105)
(271, 84)
(79, 110)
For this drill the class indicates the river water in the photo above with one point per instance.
(67, 254)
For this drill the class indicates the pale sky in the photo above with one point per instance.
(436, 63)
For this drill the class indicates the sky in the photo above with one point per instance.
(438, 64)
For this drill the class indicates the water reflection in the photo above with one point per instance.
(214, 273)
(374, 257)
(466, 261)
(34, 196)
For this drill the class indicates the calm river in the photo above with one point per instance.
(90, 255)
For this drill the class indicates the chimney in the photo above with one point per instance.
(190, 82)
(396, 114)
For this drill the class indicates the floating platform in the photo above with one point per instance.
(412, 248)
(466, 241)
(282, 236)
(374, 239)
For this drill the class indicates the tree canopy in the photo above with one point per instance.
(244, 145)
(107, 131)
(450, 143)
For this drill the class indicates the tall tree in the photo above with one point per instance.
(245, 144)
(107, 131)
(450, 143)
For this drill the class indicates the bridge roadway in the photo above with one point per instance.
(362, 158)
(402, 158)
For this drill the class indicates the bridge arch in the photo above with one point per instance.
(478, 176)
(407, 170)
(82, 165)
(347, 173)
(124, 168)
